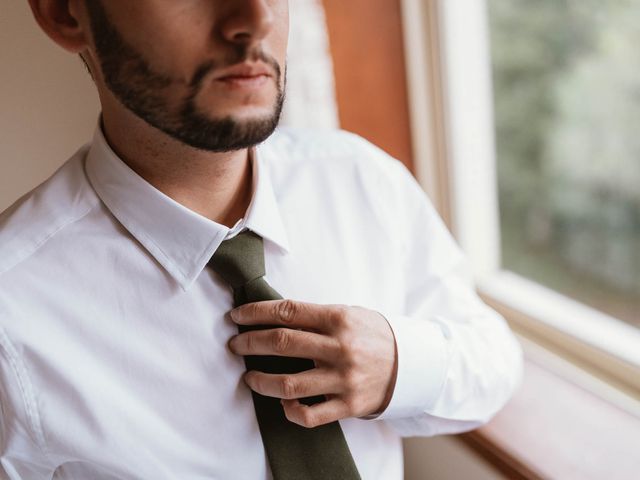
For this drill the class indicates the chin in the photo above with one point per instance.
(245, 113)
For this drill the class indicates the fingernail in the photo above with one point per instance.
(233, 314)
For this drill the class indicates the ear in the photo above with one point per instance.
(62, 21)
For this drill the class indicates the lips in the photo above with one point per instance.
(244, 72)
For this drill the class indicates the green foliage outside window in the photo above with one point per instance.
(566, 79)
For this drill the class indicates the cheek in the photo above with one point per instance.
(177, 56)
(170, 44)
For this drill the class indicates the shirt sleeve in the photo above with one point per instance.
(458, 361)
(22, 453)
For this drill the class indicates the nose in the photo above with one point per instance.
(248, 23)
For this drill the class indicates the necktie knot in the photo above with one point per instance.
(240, 259)
(294, 452)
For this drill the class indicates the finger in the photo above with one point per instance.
(311, 416)
(285, 342)
(317, 381)
(290, 313)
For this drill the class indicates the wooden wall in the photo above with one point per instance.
(368, 54)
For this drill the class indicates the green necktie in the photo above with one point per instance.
(294, 452)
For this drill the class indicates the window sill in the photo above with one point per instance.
(601, 344)
(562, 423)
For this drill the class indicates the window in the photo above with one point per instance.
(524, 115)
(566, 88)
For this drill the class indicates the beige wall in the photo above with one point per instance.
(48, 107)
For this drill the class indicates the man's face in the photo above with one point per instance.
(209, 73)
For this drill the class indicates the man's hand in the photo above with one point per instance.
(353, 349)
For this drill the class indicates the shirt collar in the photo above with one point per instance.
(181, 240)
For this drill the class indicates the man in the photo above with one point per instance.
(119, 358)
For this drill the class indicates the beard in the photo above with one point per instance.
(146, 92)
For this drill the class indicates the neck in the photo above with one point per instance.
(214, 185)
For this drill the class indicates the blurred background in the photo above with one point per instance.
(566, 77)
(564, 101)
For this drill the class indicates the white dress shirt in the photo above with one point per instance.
(113, 337)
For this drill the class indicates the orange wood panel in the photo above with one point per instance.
(368, 55)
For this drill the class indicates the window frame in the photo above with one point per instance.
(451, 97)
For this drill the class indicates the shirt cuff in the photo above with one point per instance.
(422, 367)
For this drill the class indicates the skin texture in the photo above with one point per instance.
(174, 109)
(351, 348)
(179, 107)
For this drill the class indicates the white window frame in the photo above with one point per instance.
(451, 100)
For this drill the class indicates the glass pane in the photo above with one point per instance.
(567, 109)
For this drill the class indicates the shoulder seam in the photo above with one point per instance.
(45, 239)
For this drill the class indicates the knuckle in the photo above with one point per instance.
(288, 388)
(281, 340)
(351, 381)
(251, 309)
(308, 419)
(286, 311)
(352, 405)
(348, 350)
(340, 317)
(248, 341)
(288, 413)
(256, 382)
